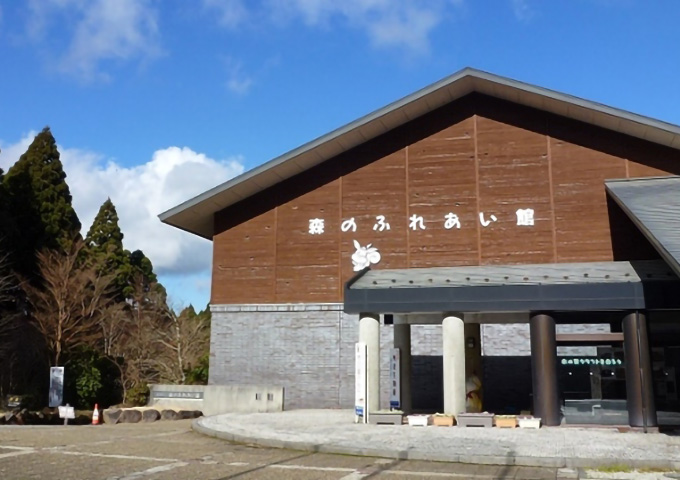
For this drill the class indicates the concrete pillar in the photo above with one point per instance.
(639, 392)
(453, 335)
(369, 333)
(402, 341)
(544, 369)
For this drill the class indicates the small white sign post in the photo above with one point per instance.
(66, 413)
(395, 380)
(360, 391)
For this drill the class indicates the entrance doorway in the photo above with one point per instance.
(592, 385)
(665, 356)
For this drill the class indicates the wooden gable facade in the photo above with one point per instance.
(477, 155)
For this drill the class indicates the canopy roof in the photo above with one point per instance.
(653, 204)
(196, 215)
(594, 286)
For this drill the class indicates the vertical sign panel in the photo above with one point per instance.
(360, 403)
(56, 396)
(395, 378)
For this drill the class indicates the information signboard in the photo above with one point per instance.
(395, 379)
(56, 394)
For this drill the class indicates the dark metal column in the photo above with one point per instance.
(544, 369)
(639, 389)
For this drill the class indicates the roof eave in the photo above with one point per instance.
(402, 111)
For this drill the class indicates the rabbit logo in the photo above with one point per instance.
(364, 256)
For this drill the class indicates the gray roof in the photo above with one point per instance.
(599, 286)
(540, 274)
(196, 215)
(653, 204)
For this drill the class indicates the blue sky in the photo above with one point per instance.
(155, 101)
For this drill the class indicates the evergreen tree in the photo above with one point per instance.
(7, 227)
(40, 201)
(143, 274)
(104, 248)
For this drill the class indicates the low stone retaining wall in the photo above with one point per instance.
(84, 417)
(47, 416)
(113, 416)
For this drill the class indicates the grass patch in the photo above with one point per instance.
(658, 470)
(615, 468)
(623, 468)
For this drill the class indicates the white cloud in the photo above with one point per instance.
(100, 31)
(140, 193)
(402, 24)
(10, 153)
(405, 24)
(238, 81)
(230, 13)
(523, 12)
(409, 29)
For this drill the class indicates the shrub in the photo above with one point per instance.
(138, 395)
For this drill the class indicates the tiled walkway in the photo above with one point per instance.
(333, 431)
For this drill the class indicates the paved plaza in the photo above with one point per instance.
(333, 431)
(172, 451)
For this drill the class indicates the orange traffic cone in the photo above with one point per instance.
(95, 415)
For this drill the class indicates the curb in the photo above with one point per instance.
(550, 462)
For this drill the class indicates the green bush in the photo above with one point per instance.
(90, 378)
(198, 375)
(138, 395)
(88, 385)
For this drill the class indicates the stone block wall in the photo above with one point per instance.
(295, 346)
(309, 350)
(514, 339)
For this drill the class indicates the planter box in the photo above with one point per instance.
(506, 421)
(443, 420)
(386, 418)
(475, 420)
(418, 420)
(529, 422)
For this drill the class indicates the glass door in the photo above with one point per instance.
(592, 383)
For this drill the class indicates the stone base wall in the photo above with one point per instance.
(300, 347)
(514, 340)
(308, 349)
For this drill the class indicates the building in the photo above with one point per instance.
(522, 234)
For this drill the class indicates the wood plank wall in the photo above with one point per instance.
(476, 155)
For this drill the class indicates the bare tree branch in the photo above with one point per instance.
(69, 305)
(156, 344)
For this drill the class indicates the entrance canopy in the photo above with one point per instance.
(599, 286)
(653, 204)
